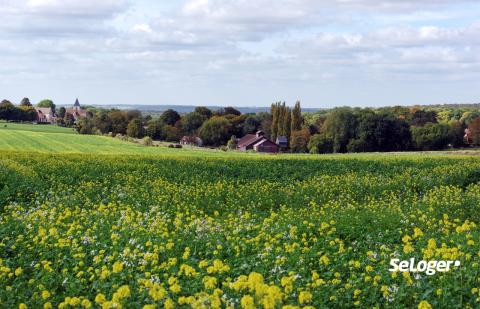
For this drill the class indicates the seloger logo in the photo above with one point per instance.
(429, 267)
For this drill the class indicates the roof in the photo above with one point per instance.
(282, 139)
(44, 110)
(248, 140)
(76, 112)
(264, 141)
(260, 142)
(253, 140)
(76, 103)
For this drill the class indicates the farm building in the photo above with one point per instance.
(257, 142)
(76, 111)
(282, 142)
(191, 140)
(45, 115)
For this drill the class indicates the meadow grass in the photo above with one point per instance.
(35, 127)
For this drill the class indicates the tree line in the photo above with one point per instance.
(344, 130)
(337, 130)
(23, 112)
(215, 128)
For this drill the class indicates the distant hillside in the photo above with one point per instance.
(189, 108)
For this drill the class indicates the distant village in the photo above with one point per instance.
(282, 129)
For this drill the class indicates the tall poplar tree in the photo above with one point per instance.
(296, 117)
(274, 127)
(287, 122)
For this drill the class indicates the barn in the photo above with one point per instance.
(257, 142)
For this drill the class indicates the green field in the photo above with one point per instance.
(35, 128)
(39, 138)
(97, 222)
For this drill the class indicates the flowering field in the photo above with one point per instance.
(260, 232)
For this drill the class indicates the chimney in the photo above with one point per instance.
(260, 133)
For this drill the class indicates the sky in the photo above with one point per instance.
(324, 53)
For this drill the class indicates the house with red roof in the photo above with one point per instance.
(257, 142)
(45, 115)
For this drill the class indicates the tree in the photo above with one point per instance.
(474, 128)
(339, 127)
(118, 120)
(170, 117)
(297, 119)
(69, 120)
(287, 123)
(155, 130)
(102, 122)
(237, 122)
(299, 140)
(216, 131)
(320, 143)
(458, 131)
(468, 116)
(26, 113)
(135, 128)
(85, 126)
(61, 112)
(46, 103)
(265, 123)
(251, 125)
(281, 119)
(132, 114)
(7, 110)
(232, 143)
(380, 132)
(433, 136)
(204, 111)
(422, 117)
(191, 122)
(25, 102)
(231, 111)
(274, 125)
(172, 134)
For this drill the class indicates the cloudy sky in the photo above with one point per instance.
(241, 52)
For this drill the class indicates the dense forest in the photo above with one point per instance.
(337, 130)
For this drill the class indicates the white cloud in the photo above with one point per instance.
(262, 43)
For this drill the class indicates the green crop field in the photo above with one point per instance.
(35, 128)
(39, 138)
(89, 221)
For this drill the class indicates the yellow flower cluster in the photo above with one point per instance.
(279, 232)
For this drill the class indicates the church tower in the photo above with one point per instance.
(76, 106)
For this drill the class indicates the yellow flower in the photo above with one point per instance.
(169, 304)
(117, 267)
(417, 232)
(356, 293)
(100, 299)
(47, 305)
(424, 305)
(209, 282)
(18, 271)
(324, 260)
(22, 306)
(304, 297)
(86, 303)
(157, 292)
(121, 293)
(247, 302)
(45, 294)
